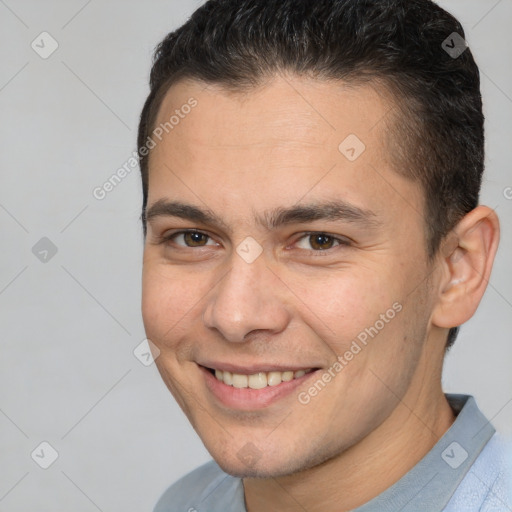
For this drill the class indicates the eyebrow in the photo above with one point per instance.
(338, 210)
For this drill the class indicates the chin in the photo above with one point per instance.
(248, 463)
(258, 470)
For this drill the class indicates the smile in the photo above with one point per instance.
(258, 380)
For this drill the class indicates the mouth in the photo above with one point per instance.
(253, 390)
(258, 380)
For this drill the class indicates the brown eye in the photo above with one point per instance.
(195, 239)
(189, 239)
(321, 241)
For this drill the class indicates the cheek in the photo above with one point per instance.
(165, 304)
(362, 317)
(391, 348)
(346, 303)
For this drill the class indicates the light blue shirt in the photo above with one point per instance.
(468, 470)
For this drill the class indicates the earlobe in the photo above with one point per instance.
(467, 257)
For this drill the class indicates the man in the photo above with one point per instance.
(313, 240)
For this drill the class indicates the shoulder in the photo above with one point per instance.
(487, 486)
(205, 486)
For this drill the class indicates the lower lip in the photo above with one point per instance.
(247, 398)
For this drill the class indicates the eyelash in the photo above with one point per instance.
(341, 241)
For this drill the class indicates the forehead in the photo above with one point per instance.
(287, 140)
(317, 110)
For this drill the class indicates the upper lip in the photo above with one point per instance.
(251, 369)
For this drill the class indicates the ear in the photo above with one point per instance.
(467, 256)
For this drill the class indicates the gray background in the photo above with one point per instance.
(69, 325)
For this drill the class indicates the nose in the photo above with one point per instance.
(250, 297)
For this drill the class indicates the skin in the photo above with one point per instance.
(239, 155)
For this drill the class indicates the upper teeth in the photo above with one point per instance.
(258, 380)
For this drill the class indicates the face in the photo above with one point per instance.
(276, 245)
